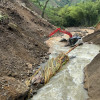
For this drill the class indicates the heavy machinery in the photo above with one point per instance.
(73, 40)
(53, 65)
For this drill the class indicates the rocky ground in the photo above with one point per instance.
(82, 31)
(22, 47)
(92, 71)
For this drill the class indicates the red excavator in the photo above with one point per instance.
(60, 30)
(73, 40)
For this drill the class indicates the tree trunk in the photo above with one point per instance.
(39, 3)
(44, 8)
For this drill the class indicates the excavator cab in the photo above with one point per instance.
(75, 40)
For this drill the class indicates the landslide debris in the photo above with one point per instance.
(12, 88)
(97, 28)
(31, 6)
(93, 38)
(22, 36)
(92, 71)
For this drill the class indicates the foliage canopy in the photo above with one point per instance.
(81, 14)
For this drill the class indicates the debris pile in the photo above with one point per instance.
(22, 36)
(93, 38)
(92, 71)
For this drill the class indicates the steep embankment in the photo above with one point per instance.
(93, 38)
(22, 47)
(92, 71)
(30, 5)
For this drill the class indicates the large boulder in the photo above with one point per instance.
(92, 79)
(92, 71)
(12, 89)
(97, 27)
(93, 38)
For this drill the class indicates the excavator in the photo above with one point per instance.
(73, 40)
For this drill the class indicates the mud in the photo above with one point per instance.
(67, 84)
(82, 31)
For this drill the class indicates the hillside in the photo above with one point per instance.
(31, 6)
(22, 48)
(61, 3)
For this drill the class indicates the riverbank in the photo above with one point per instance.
(92, 70)
(68, 83)
(22, 47)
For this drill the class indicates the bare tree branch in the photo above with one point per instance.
(39, 3)
(44, 8)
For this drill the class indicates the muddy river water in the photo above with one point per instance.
(68, 83)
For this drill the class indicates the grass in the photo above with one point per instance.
(3, 17)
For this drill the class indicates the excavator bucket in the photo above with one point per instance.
(63, 40)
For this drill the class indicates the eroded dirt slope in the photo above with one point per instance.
(22, 35)
(97, 28)
(92, 71)
(31, 6)
(21, 38)
(93, 38)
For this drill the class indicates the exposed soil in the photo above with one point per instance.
(22, 36)
(92, 71)
(21, 40)
(97, 28)
(93, 38)
(82, 31)
(12, 88)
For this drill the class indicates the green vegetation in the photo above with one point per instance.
(84, 13)
(2, 17)
(61, 3)
(42, 6)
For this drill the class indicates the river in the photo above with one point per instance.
(67, 84)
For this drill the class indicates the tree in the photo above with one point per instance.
(44, 8)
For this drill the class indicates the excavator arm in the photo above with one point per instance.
(72, 40)
(60, 30)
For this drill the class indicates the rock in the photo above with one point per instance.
(12, 26)
(12, 89)
(47, 57)
(29, 65)
(84, 33)
(43, 61)
(86, 84)
(92, 78)
(94, 38)
(97, 27)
